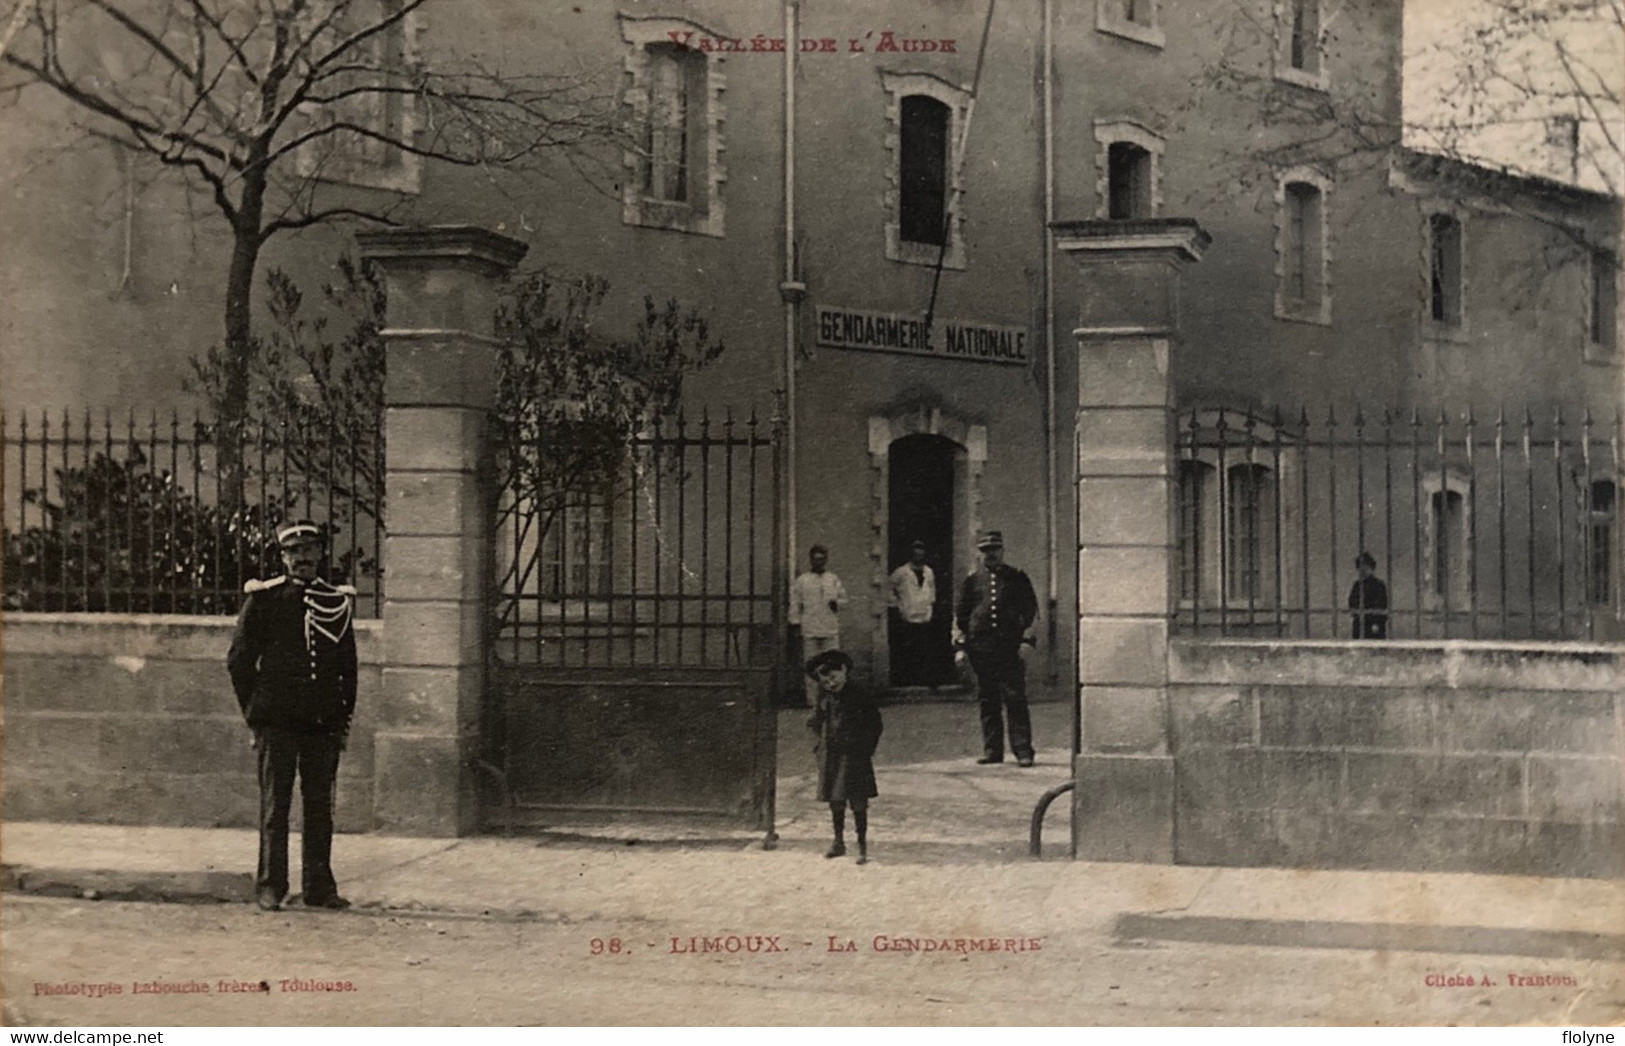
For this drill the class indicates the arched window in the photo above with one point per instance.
(1249, 535)
(1127, 169)
(1600, 550)
(1195, 489)
(1303, 243)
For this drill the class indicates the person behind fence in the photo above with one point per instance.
(847, 722)
(993, 627)
(293, 667)
(1368, 600)
(913, 594)
(816, 599)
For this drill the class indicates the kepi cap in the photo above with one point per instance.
(299, 532)
(990, 539)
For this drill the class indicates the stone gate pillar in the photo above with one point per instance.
(1123, 805)
(439, 389)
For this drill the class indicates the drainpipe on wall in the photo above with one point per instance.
(1051, 450)
(791, 289)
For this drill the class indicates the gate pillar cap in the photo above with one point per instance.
(455, 246)
(1108, 239)
(1130, 272)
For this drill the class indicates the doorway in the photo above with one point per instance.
(920, 499)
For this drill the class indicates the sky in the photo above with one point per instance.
(1505, 97)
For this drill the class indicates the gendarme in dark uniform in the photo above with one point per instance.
(293, 666)
(997, 607)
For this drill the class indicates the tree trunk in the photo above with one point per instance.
(232, 410)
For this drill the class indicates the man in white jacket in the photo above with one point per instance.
(913, 593)
(816, 599)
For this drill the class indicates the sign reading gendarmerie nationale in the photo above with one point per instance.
(903, 332)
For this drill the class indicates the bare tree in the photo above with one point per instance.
(1529, 88)
(1530, 84)
(265, 105)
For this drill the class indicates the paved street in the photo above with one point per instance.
(626, 926)
(540, 968)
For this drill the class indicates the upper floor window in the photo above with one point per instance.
(922, 176)
(371, 82)
(1128, 181)
(1563, 145)
(674, 132)
(1138, 20)
(1444, 270)
(924, 224)
(674, 95)
(1299, 52)
(1602, 329)
(1128, 170)
(1303, 256)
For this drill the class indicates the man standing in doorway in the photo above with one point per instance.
(992, 625)
(293, 667)
(816, 599)
(913, 593)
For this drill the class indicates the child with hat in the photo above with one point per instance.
(848, 724)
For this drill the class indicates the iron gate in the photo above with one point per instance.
(638, 634)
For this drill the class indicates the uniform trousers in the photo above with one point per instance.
(314, 758)
(1001, 689)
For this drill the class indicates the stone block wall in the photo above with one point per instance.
(130, 719)
(1462, 756)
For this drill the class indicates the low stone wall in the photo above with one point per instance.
(130, 719)
(1469, 756)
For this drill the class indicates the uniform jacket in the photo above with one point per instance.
(292, 659)
(996, 608)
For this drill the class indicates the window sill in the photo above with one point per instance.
(404, 177)
(1319, 315)
(1149, 35)
(1229, 610)
(1601, 355)
(927, 254)
(651, 213)
(1444, 334)
(1303, 78)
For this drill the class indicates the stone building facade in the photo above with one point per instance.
(921, 188)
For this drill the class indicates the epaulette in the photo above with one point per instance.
(255, 585)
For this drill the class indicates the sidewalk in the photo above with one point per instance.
(949, 848)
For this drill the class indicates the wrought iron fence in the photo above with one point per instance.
(1503, 527)
(669, 560)
(146, 514)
